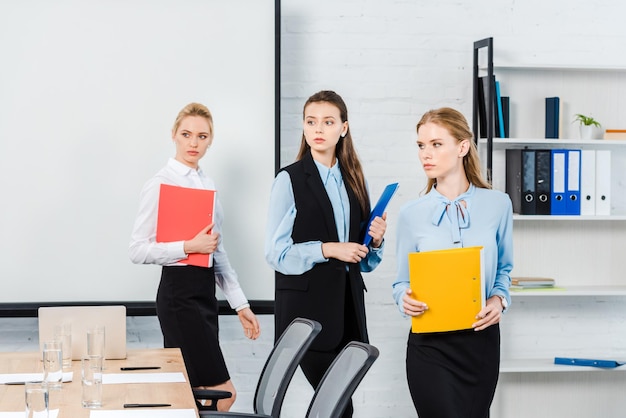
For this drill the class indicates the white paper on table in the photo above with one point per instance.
(113, 378)
(30, 377)
(142, 413)
(53, 413)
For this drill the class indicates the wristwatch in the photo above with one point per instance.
(505, 304)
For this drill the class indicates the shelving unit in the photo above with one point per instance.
(570, 291)
(547, 366)
(585, 317)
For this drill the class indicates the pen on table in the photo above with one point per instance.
(145, 405)
(140, 368)
(19, 383)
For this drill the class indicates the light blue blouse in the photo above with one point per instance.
(280, 251)
(433, 222)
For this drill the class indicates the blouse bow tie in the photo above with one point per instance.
(457, 214)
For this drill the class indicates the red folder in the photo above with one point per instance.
(183, 212)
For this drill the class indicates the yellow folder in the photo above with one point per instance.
(450, 283)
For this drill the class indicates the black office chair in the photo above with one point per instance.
(276, 374)
(337, 386)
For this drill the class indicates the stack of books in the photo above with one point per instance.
(615, 134)
(531, 283)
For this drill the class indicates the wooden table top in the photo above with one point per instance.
(68, 399)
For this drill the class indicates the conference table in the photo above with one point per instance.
(67, 400)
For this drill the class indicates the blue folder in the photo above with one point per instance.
(379, 209)
(558, 203)
(607, 364)
(572, 205)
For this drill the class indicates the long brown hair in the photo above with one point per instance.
(458, 127)
(344, 150)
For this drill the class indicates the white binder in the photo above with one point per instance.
(603, 182)
(588, 182)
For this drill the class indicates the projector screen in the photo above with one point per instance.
(89, 91)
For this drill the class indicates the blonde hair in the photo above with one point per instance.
(457, 125)
(344, 150)
(194, 109)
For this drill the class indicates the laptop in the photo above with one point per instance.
(81, 318)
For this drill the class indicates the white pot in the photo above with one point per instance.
(586, 131)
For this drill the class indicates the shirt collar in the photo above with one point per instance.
(182, 169)
(327, 173)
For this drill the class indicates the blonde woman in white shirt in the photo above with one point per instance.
(186, 304)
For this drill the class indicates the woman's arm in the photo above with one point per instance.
(504, 241)
(404, 245)
(376, 246)
(280, 251)
(143, 248)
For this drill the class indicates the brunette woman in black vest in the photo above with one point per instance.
(318, 207)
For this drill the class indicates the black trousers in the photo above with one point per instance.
(315, 363)
(453, 374)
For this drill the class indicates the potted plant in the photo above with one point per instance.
(587, 125)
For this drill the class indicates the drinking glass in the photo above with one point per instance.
(36, 397)
(96, 341)
(63, 333)
(91, 379)
(52, 364)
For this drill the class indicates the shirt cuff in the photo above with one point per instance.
(176, 250)
(242, 307)
(379, 249)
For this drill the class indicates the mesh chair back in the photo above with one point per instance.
(341, 380)
(282, 364)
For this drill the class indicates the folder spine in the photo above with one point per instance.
(603, 182)
(543, 171)
(588, 182)
(573, 182)
(505, 114)
(552, 117)
(514, 178)
(499, 110)
(529, 203)
(559, 178)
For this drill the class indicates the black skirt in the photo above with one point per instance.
(188, 313)
(453, 374)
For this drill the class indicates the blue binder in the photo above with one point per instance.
(558, 203)
(573, 182)
(607, 364)
(552, 117)
(379, 209)
(500, 113)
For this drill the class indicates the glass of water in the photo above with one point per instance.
(36, 399)
(63, 333)
(52, 364)
(91, 380)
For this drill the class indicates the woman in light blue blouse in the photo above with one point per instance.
(454, 374)
(319, 208)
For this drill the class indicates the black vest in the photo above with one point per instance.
(320, 292)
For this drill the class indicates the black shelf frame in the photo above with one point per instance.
(489, 105)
